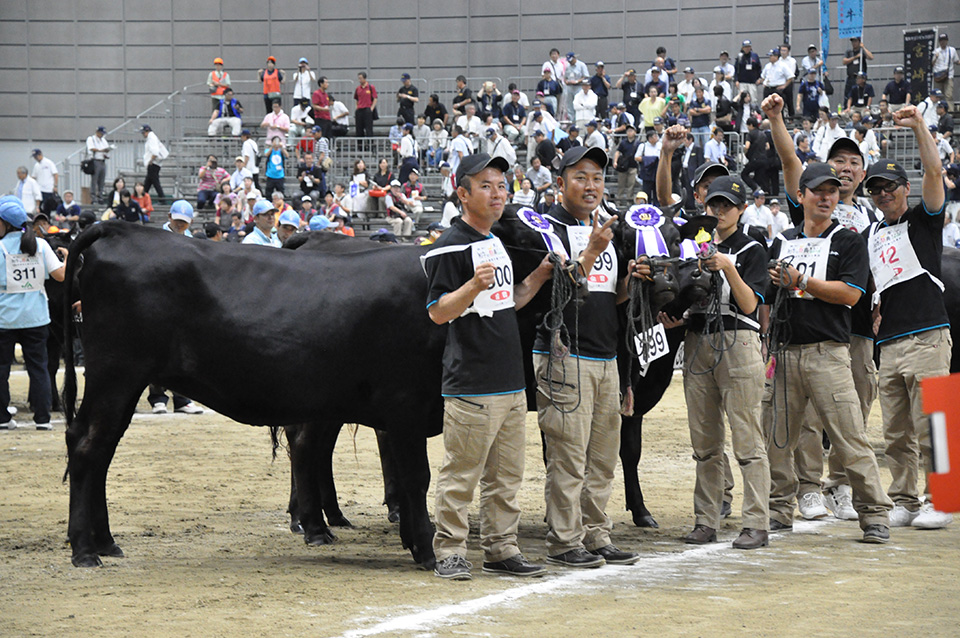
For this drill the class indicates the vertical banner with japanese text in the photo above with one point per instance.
(849, 19)
(824, 28)
(917, 61)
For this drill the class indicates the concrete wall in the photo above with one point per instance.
(71, 65)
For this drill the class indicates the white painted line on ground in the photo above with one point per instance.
(650, 568)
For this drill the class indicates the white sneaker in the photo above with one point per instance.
(929, 518)
(44, 426)
(190, 408)
(159, 408)
(811, 506)
(9, 425)
(900, 516)
(12, 410)
(839, 500)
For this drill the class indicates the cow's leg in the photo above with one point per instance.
(631, 447)
(327, 442)
(391, 486)
(413, 473)
(293, 506)
(92, 440)
(304, 442)
(54, 352)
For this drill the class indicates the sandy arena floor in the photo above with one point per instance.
(199, 508)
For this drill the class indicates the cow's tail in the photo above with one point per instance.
(81, 243)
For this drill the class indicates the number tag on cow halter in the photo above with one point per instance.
(499, 296)
(603, 275)
(24, 273)
(658, 347)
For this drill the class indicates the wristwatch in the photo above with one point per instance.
(802, 284)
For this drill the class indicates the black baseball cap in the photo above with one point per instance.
(730, 187)
(714, 167)
(577, 153)
(818, 173)
(847, 144)
(473, 164)
(888, 170)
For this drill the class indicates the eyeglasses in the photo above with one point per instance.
(885, 186)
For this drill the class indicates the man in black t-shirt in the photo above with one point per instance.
(913, 335)
(463, 97)
(435, 110)
(855, 59)
(625, 164)
(578, 383)
(470, 287)
(407, 97)
(822, 270)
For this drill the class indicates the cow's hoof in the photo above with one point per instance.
(296, 527)
(86, 560)
(113, 550)
(338, 521)
(393, 514)
(318, 539)
(645, 519)
(425, 559)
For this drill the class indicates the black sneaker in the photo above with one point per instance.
(515, 566)
(725, 509)
(615, 556)
(876, 533)
(777, 526)
(578, 557)
(454, 567)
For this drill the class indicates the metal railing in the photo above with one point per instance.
(446, 88)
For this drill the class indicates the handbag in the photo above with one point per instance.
(941, 76)
(86, 166)
(827, 85)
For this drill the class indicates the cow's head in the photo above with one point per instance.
(664, 287)
(526, 246)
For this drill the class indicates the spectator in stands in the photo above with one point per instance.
(306, 208)
(340, 118)
(225, 192)
(435, 110)
(812, 61)
(722, 110)
(719, 80)
(277, 124)
(669, 65)
(647, 158)
(584, 104)
(407, 98)
(471, 125)
(790, 64)
(944, 120)
(275, 172)
(48, 178)
(365, 99)
(271, 78)
(748, 71)
(539, 175)
(409, 153)
(546, 150)
(548, 200)
(239, 174)
(781, 221)
(860, 96)
(868, 145)
(625, 165)
(715, 149)
(594, 138)
(573, 77)
(311, 177)
(141, 197)
(250, 152)
(654, 78)
(421, 133)
(287, 225)
(228, 111)
(316, 145)
(301, 118)
(855, 59)
(114, 198)
(744, 110)
(729, 71)
(398, 211)
(758, 215)
(303, 80)
(685, 87)
(652, 106)
(805, 152)
(154, 152)
(211, 176)
(340, 226)
(224, 211)
(218, 81)
(556, 64)
(28, 191)
(944, 61)
(526, 196)
(415, 193)
(513, 118)
(775, 76)
(490, 100)
(68, 212)
(437, 143)
(99, 150)
(808, 96)
(897, 91)
(826, 136)
(539, 117)
(357, 192)
(381, 185)
(551, 90)
(632, 92)
(499, 146)
(459, 148)
(600, 85)
(127, 210)
(619, 120)
(928, 108)
(280, 205)
(247, 197)
(462, 97)
(264, 231)
(320, 100)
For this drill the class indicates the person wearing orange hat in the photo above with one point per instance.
(218, 81)
(272, 78)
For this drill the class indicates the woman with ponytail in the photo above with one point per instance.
(25, 262)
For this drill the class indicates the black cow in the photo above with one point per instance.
(950, 272)
(195, 317)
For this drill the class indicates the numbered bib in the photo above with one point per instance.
(809, 256)
(24, 273)
(603, 275)
(893, 259)
(499, 296)
(854, 218)
(656, 339)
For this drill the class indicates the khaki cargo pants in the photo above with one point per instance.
(483, 440)
(734, 387)
(582, 449)
(903, 363)
(819, 373)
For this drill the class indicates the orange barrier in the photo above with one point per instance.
(940, 401)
